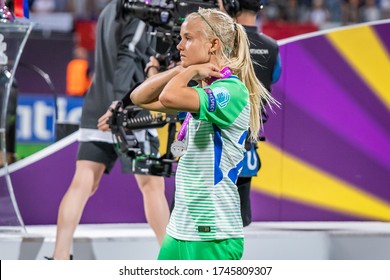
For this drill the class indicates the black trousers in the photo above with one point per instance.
(244, 189)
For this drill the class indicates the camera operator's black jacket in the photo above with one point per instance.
(122, 51)
(264, 50)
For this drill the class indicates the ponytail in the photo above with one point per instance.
(241, 64)
(235, 54)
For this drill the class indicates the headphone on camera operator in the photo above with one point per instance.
(232, 7)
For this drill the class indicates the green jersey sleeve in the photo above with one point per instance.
(222, 101)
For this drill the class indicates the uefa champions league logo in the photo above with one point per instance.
(3, 47)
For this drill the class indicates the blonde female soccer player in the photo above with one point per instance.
(206, 221)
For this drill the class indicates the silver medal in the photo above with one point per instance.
(178, 148)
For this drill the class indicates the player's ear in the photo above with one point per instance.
(215, 45)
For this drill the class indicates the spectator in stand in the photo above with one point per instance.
(350, 12)
(385, 9)
(319, 15)
(370, 11)
(334, 8)
(272, 12)
(291, 11)
(78, 76)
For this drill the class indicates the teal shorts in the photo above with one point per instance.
(224, 249)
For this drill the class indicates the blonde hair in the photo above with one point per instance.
(235, 54)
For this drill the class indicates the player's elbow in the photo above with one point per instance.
(167, 99)
(134, 98)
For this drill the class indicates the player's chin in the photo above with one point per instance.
(185, 63)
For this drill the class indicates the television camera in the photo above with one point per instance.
(167, 17)
(132, 118)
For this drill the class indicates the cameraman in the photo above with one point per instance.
(123, 48)
(267, 64)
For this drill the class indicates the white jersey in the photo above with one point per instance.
(207, 203)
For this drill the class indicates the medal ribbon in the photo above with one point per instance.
(183, 129)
